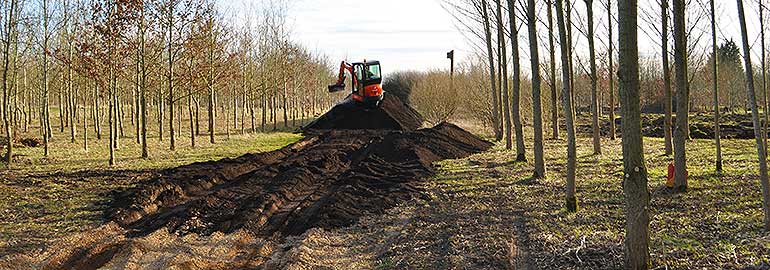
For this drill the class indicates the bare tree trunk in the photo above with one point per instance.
(9, 33)
(516, 90)
(170, 25)
(682, 97)
(571, 198)
(161, 110)
(503, 71)
(552, 50)
(594, 95)
(212, 103)
(490, 59)
(143, 84)
(111, 93)
(764, 71)
(45, 124)
(97, 117)
(667, 103)
(761, 155)
(190, 110)
(715, 86)
(637, 253)
(537, 111)
(568, 17)
(611, 66)
(61, 109)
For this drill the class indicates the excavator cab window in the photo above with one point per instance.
(358, 70)
(373, 72)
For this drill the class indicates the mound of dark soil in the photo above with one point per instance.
(391, 115)
(30, 142)
(326, 181)
(352, 163)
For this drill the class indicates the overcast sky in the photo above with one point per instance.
(416, 34)
(402, 34)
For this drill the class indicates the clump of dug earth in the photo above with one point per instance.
(235, 213)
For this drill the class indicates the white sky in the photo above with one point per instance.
(416, 34)
(402, 34)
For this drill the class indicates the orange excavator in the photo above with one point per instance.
(366, 82)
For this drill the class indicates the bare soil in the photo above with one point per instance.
(239, 213)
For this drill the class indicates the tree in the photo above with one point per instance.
(761, 155)
(45, 114)
(610, 67)
(537, 115)
(682, 97)
(715, 86)
(667, 104)
(9, 34)
(143, 79)
(552, 54)
(571, 198)
(503, 62)
(764, 71)
(490, 59)
(594, 96)
(516, 80)
(637, 254)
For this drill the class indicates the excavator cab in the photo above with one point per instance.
(366, 81)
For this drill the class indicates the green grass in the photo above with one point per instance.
(717, 223)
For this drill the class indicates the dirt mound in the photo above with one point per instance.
(391, 115)
(326, 181)
(347, 168)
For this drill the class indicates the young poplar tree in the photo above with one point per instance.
(571, 197)
(516, 80)
(637, 194)
(537, 114)
(761, 155)
(682, 97)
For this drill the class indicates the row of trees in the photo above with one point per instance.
(717, 75)
(155, 63)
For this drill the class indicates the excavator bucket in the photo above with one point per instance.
(336, 87)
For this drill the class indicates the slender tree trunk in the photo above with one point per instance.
(97, 117)
(667, 103)
(503, 71)
(552, 50)
(715, 86)
(143, 84)
(10, 29)
(682, 97)
(491, 62)
(762, 157)
(161, 108)
(571, 198)
(594, 95)
(637, 253)
(45, 124)
(61, 109)
(516, 89)
(537, 114)
(611, 66)
(285, 108)
(568, 17)
(172, 145)
(764, 72)
(85, 128)
(212, 103)
(111, 94)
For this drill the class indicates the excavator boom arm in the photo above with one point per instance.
(340, 85)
